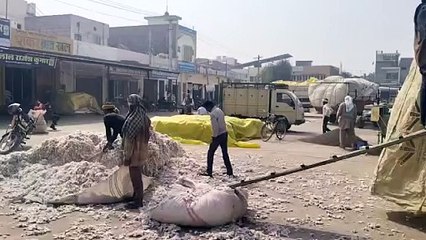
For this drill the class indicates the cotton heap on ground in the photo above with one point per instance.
(67, 165)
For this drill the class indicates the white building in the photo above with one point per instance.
(70, 26)
(16, 11)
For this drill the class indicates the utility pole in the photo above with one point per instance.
(258, 67)
(170, 45)
(7, 7)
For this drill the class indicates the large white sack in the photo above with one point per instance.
(40, 122)
(335, 89)
(214, 208)
(116, 188)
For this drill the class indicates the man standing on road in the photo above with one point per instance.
(113, 121)
(326, 113)
(420, 53)
(136, 133)
(219, 138)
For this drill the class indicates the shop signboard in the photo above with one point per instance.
(41, 42)
(4, 32)
(187, 67)
(20, 58)
(128, 71)
(155, 74)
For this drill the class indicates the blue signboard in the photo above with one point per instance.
(187, 67)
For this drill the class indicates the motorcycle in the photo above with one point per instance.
(16, 133)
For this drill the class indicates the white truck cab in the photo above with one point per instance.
(261, 100)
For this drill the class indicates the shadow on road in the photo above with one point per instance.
(411, 220)
(279, 230)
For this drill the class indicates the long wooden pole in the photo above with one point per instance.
(333, 159)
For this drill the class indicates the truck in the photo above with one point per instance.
(249, 100)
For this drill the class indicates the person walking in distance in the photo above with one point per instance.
(420, 53)
(326, 113)
(136, 133)
(346, 116)
(219, 138)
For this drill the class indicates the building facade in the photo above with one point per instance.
(388, 72)
(70, 26)
(405, 65)
(304, 70)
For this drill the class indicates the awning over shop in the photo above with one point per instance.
(73, 58)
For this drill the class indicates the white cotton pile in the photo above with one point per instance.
(67, 165)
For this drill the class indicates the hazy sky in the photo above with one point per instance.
(325, 31)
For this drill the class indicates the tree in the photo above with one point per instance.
(346, 74)
(280, 71)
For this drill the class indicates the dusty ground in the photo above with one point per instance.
(332, 202)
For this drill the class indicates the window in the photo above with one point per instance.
(284, 98)
(392, 76)
(77, 37)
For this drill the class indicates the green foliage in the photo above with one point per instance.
(279, 71)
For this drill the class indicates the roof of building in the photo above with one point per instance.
(126, 64)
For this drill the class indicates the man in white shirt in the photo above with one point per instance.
(219, 138)
(326, 113)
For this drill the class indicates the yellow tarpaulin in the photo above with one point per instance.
(196, 129)
(401, 171)
(70, 103)
(294, 83)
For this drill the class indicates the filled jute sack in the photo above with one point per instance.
(212, 209)
(115, 189)
(40, 122)
(400, 175)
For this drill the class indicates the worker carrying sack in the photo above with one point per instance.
(115, 189)
(400, 174)
(212, 209)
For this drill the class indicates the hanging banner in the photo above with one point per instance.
(15, 57)
(4, 32)
(41, 42)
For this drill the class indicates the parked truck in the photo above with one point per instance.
(260, 101)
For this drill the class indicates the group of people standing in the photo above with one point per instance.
(346, 117)
(134, 130)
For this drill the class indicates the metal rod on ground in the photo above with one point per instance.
(333, 159)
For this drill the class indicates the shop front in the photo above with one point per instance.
(161, 85)
(24, 76)
(124, 81)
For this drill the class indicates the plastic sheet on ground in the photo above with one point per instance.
(71, 103)
(196, 129)
(400, 175)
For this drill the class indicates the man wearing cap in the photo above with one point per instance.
(326, 113)
(420, 53)
(113, 124)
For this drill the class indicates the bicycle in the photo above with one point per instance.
(274, 125)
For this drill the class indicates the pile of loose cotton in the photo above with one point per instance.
(67, 165)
